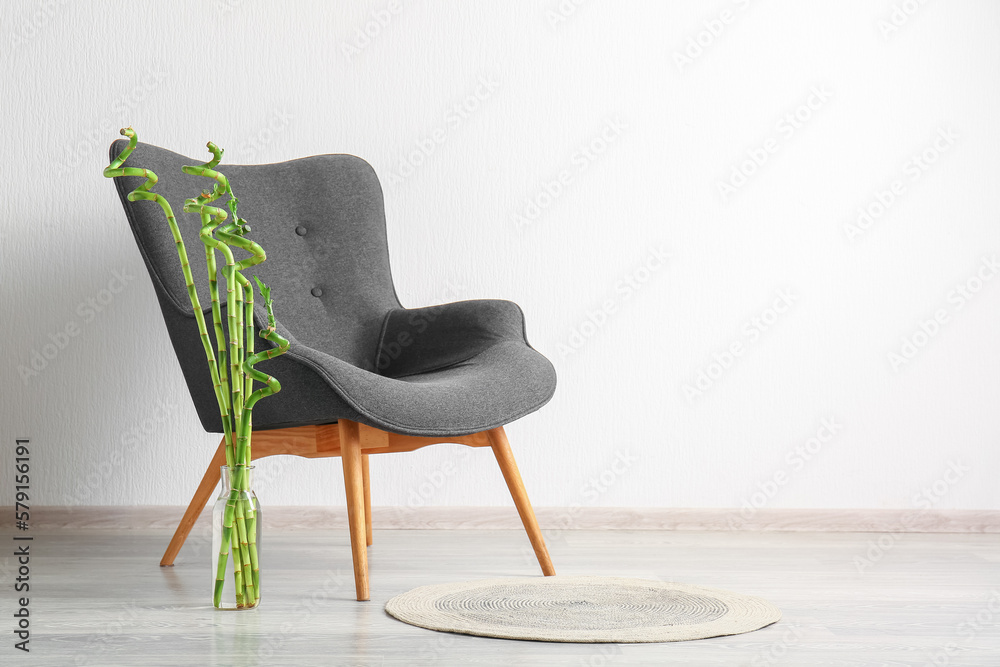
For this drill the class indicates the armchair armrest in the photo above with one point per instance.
(419, 340)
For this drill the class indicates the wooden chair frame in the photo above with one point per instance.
(353, 442)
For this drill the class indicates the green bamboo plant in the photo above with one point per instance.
(231, 362)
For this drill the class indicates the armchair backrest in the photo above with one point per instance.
(321, 222)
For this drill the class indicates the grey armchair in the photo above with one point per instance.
(363, 375)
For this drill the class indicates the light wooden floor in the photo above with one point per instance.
(99, 598)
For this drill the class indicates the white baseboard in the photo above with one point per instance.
(549, 518)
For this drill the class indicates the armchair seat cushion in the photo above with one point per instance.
(500, 379)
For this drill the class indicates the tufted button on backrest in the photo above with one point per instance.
(337, 198)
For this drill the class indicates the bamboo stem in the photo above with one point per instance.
(244, 552)
(211, 217)
(237, 571)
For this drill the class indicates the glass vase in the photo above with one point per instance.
(236, 525)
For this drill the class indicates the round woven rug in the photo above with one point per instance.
(582, 609)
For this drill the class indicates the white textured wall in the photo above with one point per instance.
(553, 159)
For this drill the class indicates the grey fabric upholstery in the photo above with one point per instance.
(355, 352)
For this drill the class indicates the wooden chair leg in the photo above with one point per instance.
(368, 498)
(198, 502)
(501, 449)
(350, 453)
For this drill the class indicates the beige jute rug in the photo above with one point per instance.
(582, 609)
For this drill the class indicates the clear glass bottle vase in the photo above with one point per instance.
(236, 525)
